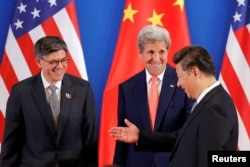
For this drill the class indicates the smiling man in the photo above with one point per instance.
(50, 117)
(162, 109)
(212, 125)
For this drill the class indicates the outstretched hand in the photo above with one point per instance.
(129, 134)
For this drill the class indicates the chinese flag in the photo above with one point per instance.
(126, 62)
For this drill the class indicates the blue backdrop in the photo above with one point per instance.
(99, 22)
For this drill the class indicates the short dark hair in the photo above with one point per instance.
(49, 44)
(191, 56)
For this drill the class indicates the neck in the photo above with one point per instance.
(204, 84)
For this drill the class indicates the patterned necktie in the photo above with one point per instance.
(153, 100)
(54, 105)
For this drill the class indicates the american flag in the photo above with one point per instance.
(33, 19)
(235, 70)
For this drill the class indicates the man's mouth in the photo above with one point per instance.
(57, 71)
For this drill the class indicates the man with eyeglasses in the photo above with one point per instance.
(37, 136)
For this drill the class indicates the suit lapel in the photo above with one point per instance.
(141, 96)
(66, 99)
(167, 91)
(40, 100)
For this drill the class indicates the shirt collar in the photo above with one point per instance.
(46, 83)
(207, 90)
(148, 75)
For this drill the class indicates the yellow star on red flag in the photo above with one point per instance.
(129, 13)
(156, 18)
(180, 3)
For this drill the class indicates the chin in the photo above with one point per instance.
(58, 78)
(188, 95)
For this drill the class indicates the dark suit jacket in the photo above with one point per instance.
(30, 139)
(172, 111)
(213, 125)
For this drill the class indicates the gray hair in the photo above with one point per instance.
(152, 33)
(49, 44)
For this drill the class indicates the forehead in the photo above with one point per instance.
(57, 54)
(150, 44)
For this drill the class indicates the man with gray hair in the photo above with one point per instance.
(151, 99)
(212, 125)
(50, 117)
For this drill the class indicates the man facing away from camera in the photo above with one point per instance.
(211, 126)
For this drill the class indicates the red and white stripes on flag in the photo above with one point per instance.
(235, 70)
(31, 21)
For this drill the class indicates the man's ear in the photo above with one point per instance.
(196, 71)
(38, 62)
(140, 54)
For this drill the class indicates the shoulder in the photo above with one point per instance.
(75, 80)
(27, 82)
(220, 93)
(219, 100)
(136, 77)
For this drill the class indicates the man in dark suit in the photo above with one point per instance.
(31, 136)
(212, 125)
(173, 106)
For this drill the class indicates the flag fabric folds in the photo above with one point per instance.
(235, 69)
(31, 21)
(126, 62)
